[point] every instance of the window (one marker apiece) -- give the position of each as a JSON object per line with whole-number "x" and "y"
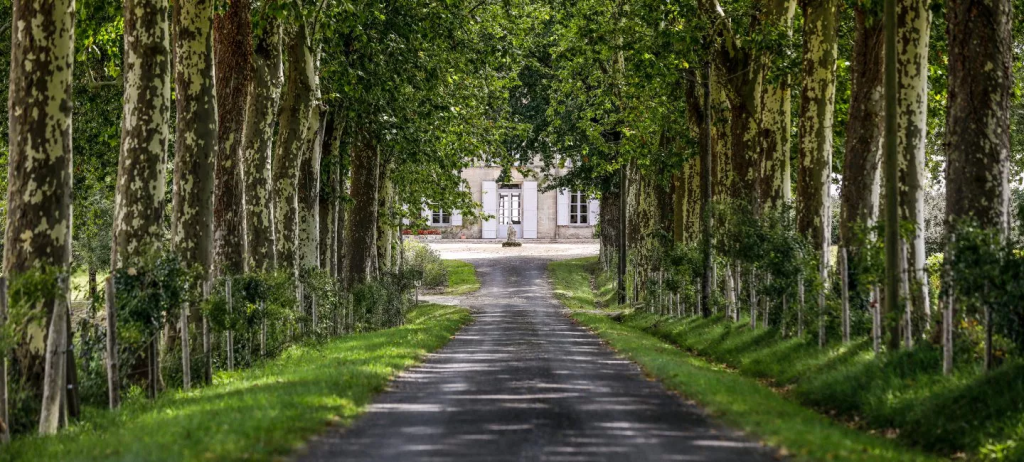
{"x": 440, "y": 217}
{"x": 578, "y": 213}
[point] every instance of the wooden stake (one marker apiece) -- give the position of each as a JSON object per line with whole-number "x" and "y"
{"x": 5, "y": 431}
{"x": 230, "y": 334}
{"x": 263, "y": 329}
{"x": 113, "y": 372}
{"x": 844, "y": 276}
{"x": 186, "y": 353}
{"x": 207, "y": 343}
{"x": 800, "y": 307}
{"x": 53, "y": 375}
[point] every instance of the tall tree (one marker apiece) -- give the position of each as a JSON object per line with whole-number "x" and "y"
{"x": 913, "y": 21}
{"x": 296, "y": 102}
{"x": 978, "y": 127}
{"x": 195, "y": 144}
{"x": 774, "y": 107}
{"x": 309, "y": 176}
{"x": 361, "y": 224}
{"x": 261, "y": 110}
{"x": 978, "y": 117}
{"x": 38, "y": 233}
{"x": 861, "y": 181}
{"x": 817, "y": 106}
{"x": 141, "y": 180}
{"x": 233, "y": 34}
{"x": 141, "y": 186}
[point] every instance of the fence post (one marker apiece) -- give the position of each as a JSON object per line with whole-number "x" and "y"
{"x": 53, "y": 377}
{"x": 844, "y": 274}
{"x": 263, "y": 329}
{"x": 5, "y": 432}
{"x": 113, "y": 373}
{"x": 207, "y": 353}
{"x": 186, "y": 353}
{"x": 230, "y": 334}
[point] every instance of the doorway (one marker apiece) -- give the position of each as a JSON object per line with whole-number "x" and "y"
{"x": 510, "y": 210}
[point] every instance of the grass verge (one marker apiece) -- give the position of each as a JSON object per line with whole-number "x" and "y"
{"x": 740, "y": 401}
{"x": 461, "y": 278}
{"x": 258, "y": 413}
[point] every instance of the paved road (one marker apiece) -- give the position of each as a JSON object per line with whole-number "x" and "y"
{"x": 523, "y": 383}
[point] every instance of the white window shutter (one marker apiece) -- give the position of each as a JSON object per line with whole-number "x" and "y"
{"x": 490, "y": 204}
{"x": 594, "y": 208}
{"x": 562, "y": 208}
{"x": 529, "y": 210}
{"x": 456, "y": 218}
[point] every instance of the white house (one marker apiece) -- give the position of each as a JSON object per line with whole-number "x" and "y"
{"x": 519, "y": 203}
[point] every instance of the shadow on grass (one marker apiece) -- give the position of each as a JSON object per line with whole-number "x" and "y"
{"x": 969, "y": 412}
{"x": 258, "y": 413}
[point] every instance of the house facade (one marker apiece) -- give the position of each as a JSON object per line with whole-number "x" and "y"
{"x": 519, "y": 203}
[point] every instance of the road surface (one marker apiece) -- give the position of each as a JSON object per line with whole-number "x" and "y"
{"x": 523, "y": 383}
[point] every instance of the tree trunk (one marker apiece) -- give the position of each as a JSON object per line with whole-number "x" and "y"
{"x": 860, "y": 189}
{"x": 309, "y": 179}
{"x": 233, "y": 34}
{"x": 294, "y": 119}
{"x": 139, "y": 199}
{"x": 815, "y": 153}
{"x": 978, "y": 123}
{"x": 260, "y": 114}
{"x": 195, "y": 144}
{"x": 39, "y": 174}
{"x": 609, "y": 222}
{"x": 361, "y": 224}
{"x": 913, "y": 20}
{"x": 774, "y": 113}
{"x": 196, "y": 136}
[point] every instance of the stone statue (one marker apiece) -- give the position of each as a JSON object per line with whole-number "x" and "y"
{"x": 511, "y": 241}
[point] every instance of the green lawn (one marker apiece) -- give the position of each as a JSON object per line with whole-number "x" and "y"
{"x": 738, "y": 400}
{"x": 461, "y": 278}
{"x": 255, "y": 414}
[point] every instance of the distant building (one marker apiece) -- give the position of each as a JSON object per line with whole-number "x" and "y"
{"x": 559, "y": 214}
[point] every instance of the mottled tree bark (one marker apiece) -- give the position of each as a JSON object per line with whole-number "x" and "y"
{"x": 296, "y": 101}
{"x": 361, "y": 223}
{"x": 141, "y": 187}
{"x": 385, "y": 198}
{"x": 743, "y": 104}
{"x": 978, "y": 123}
{"x": 196, "y": 135}
{"x": 815, "y": 128}
{"x": 261, "y": 111}
{"x": 195, "y": 143}
{"x": 309, "y": 178}
{"x": 774, "y": 113}
{"x": 39, "y": 179}
{"x": 233, "y": 34}
{"x": 817, "y": 105}
{"x": 330, "y": 193}
{"x": 860, "y": 189}
{"x": 913, "y": 20}
{"x": 609, "y": 233}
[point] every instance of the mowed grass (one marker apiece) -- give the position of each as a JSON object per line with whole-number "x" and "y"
{"x": 255, "y": 414}
{"x": 733, "y": 398}
{"x": 461, "y": 278}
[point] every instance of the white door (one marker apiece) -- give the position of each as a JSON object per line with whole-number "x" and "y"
{"x": 490, "y": 205}
{"x": 529, "y": 210}
{"x": 510, "y": 210}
